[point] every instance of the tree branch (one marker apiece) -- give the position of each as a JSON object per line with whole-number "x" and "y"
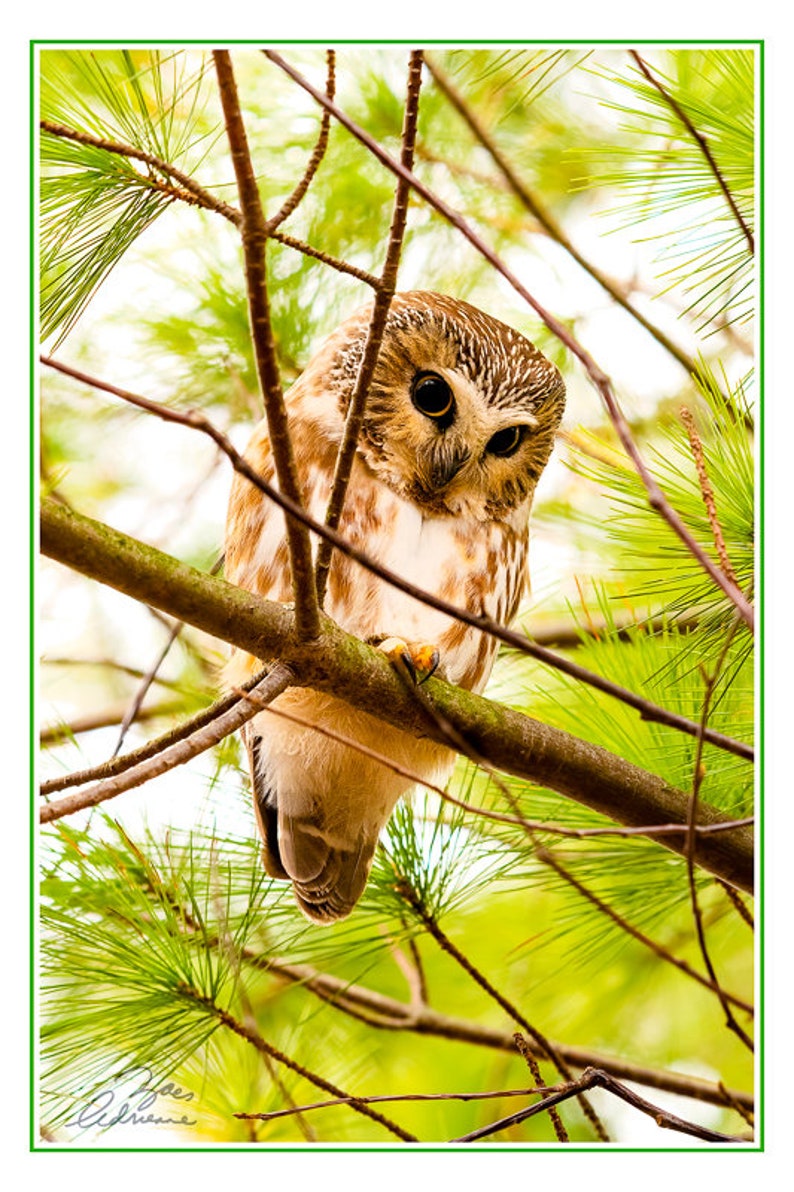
{"x": 362, "y": 677}
{"x": 545, "y": 219}
{"x": 593, "y": 1079}
{"x": 380, "y": 311}
{"x": 175, "y": 755}
{"x": 254, "y": 237}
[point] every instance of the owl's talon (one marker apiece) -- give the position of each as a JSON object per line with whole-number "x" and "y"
{"x": 419, "y": 659}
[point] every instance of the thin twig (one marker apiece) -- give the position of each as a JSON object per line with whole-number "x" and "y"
{"x": 702, "y": 143}
{"x": 547, "y": 857}
{"x": 380, "y": 310}
{"x": 140, "y": 695}
{"x": 118, "y": 765}
{"x": 264, "y": 1048}
{"x": 254, "y": 239}
{"x": 545, "y": 219}
{"x": 151, "y": 675}
{"x": 221, "y": 726}
{"x": 197, "y": 421}
{"x": 592, "y": 1078}
{"x": 326, "y": 258}
{"x": 598, "y": 378}
{"x": 316, "y": 158}
{"x": 389, "y": 1097}
{"x": 107, "y": 717}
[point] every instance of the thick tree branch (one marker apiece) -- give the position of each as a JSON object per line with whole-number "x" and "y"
{"x": 361, "y": 676}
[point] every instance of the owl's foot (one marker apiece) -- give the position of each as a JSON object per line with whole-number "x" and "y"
{"x": 418, "y": 659}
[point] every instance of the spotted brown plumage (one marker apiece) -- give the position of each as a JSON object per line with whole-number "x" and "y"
{"x": 459, "y": 424}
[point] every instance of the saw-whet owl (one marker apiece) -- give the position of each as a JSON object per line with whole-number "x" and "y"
{"x": 460, "y": 421}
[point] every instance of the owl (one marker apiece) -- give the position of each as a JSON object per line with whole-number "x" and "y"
{"x": 460, "y": 421}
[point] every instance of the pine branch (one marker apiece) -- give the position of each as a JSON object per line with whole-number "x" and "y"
{"x": 189, "y": 190}
{"x": 361, "y": 676}
{"x": 703, "y": 145}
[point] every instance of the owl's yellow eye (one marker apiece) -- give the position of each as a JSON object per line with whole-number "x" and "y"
{"x": 432, "y": 397}
{"x": 506, "y": 442}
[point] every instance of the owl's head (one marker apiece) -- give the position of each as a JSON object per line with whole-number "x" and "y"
{"x": 461, "y": 412}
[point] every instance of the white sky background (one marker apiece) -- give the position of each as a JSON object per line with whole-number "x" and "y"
{"x": 621, "y": 20}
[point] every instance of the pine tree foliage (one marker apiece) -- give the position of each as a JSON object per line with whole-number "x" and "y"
{"x": 167, "y": 955}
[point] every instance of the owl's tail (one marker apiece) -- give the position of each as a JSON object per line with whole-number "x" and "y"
{"x": 328, "y": 873}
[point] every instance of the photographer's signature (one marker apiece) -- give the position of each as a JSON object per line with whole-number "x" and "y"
{"x": 145, "y": 1105}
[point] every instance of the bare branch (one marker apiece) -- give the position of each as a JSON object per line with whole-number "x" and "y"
{"x": 252, "y": 1036}
{"x": 228, "y": 722}
{"x": 106, "y": 717}
{"x": 548, "y": 858}
{"x": 117, "y": 765}
{"x": 544, "y": 1046}
{"x": 377, "y": 327}
{"x": 591, "y": 1079}
{"x": 254, "y": 237}
{"x": 316, "y": 158}
{"x": 387, "y": 1013}
{"x": 598, "y": 378}
{"x": 710, "y": 681}
{"x": 535, "y": 206}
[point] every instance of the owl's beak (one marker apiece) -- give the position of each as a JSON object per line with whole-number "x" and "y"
{"x": 445, "y": 468}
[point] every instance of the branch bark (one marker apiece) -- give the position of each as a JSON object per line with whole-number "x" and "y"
{"x": 362, "y": 677}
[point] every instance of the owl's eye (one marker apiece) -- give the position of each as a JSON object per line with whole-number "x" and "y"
{"x": 432, "y": 397}
{"x": 506, "y": 442}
